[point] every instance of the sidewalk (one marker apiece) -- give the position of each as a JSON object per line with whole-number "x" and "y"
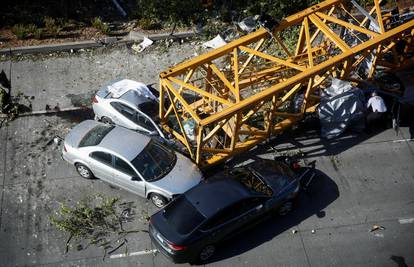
{"x": 71, "y": 81}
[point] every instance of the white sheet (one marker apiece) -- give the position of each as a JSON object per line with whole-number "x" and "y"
{"x": 119, "y": 88}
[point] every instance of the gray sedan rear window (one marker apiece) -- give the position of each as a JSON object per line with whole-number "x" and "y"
{"x": 183, "y": 216}
{"x": 95, "y": 135}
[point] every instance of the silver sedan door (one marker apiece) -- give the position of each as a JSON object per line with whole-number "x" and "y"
{"x": 127, "y": 176}
{"x": 125, "y": 115}
{"x": 101, "y": 165}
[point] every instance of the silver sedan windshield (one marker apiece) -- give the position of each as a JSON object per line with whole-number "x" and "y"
{"x": 155, "y": 161}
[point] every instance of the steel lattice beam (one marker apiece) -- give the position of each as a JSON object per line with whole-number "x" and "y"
{"x": 231, "y": 98}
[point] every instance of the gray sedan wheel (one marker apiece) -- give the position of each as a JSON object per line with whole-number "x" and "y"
{"x": 286, "y": 208}
{"x": 207, "y": 252}
{"x": 84, "y": 171}
{"x": 158, "y": 200}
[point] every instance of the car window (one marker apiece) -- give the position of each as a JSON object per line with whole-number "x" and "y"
{"x": 128, "y": 112}
{"x": 269, "y": 168}
{"x": 144, "y": 122}
{"x": 117, "y": 106}
{"x": 183, "y": 216}
{"x": 124, "y": 167}
{"x": 154, "y": 161}
{"x": 150, "y": 108}
{"x": 250, "y": 180}
{"x": 133, "y": 115}
{"x": 95, "y": 135}
{"x": 102, "y": 157}
{"x": 277, "y": 172}
{"x": 125, "y": 110}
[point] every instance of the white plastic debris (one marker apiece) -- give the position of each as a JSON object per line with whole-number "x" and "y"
{"x": 248, "y": 24}
{"x": 216, "y": 42}
{"x": 189, "y": 129}
{"x": 57, "y": 140}
{"x": 338, "y": 87}
{"x": 119, "y": 88}
{"x": 141, "y": 46}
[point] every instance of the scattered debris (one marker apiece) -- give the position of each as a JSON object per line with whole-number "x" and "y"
{"x": 216, "y": 42}
{"x": 141, "y": 46}
{"x": 98, "y": 221}
{"x": 294, "y": 153}
{"x": 249, "y": 24}
{"x": 379, "y": 235}
{"x": 376, "y": 227}
{"x": 11, "y": 105}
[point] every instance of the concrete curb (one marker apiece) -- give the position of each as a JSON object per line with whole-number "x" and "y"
{"x": 49, "y": 48}
{"x": 130, "y": 38}
{"x": 46, "y": 112}
{"x": 162, "y": 36}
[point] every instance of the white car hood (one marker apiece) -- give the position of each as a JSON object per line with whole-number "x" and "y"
{"x": 182, "y": 177}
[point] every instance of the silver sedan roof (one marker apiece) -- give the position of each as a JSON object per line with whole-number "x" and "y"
{"x": 124, "y": 142}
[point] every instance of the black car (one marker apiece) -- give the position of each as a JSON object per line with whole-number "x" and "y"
{"x": 188, "y": 229}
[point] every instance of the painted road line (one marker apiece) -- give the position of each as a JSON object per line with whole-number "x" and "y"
{"x": 402, "y": 140}
{"x": 404, "y": 221}
{"x": 136, "y": 253}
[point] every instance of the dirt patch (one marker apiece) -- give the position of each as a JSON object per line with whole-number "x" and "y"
{"x": 8, "y": 39}
{"x": 81, "y": 100}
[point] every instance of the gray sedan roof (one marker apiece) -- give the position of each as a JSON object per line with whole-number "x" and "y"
{"x": 126, "y": 143}
{"x": 210, "y": 197}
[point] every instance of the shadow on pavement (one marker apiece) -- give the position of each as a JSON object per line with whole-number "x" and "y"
{"x": 75, "y": 116}
{"x": 320, "y": 194}
{"x": 306, "y": 138}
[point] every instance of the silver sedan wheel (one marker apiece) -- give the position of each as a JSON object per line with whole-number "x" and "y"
{"x": 207, "y": 252}
{"x": 83, "y": 171}
{"x": 159, "y": 201}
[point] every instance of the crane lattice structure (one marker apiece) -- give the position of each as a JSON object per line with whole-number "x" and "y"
{"x": 228, "y": 100}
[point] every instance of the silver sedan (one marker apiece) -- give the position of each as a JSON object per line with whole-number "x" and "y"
{"x": 128, "y": 104}
{"x": 129, "y": 160}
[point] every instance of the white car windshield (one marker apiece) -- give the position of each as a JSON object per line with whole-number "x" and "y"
{"x": 155, "y": 161}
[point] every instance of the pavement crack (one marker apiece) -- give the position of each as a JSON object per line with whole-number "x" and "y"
{"x": 304, "y": 248}
{"x": 4, "y": 175}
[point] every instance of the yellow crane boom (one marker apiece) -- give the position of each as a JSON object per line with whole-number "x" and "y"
{"x": 228, "y": 100}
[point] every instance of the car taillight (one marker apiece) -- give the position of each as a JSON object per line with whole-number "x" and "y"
{"x": 296, "y": 166}
{"x": 176, "y": 247}
{"x": 64, "y": 148}
{"x": 94, "y": 100}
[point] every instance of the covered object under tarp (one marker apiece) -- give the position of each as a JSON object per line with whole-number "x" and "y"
{"x": 342, "y": 107}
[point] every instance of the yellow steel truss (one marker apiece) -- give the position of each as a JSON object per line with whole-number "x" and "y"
{"x": 228, "y": 100}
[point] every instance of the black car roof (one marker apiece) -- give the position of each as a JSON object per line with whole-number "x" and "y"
{"x": 210, "y": 197}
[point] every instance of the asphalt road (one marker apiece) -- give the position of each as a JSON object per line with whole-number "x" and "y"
{"x": 364, "y": 180}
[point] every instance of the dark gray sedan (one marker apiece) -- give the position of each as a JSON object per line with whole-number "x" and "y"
{"x": 188, "y": 229}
